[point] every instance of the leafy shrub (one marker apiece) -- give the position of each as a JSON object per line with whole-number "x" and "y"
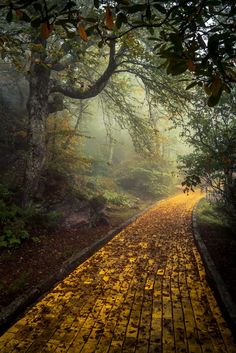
{"x": 44, "y": 219}
{"x": 14, "y": 232}
{"x": 207, "y": 213}
{"x": 226, "y": 212}
{"x": 100, "y": 168}
{"x": 145, "y": 181}
{"x": 16, "y": 222}
{"x": 12, "y": 223}
{"x": 118, "y": 199}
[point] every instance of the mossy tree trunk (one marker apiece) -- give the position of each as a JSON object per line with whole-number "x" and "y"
{"x": 40, "y": 88}
{"x": 37, "y": 113}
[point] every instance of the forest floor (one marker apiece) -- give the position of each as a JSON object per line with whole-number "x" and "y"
{"x": 23, "y": 268}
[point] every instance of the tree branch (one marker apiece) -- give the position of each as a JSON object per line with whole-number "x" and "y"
{"x": 97, "y": 87}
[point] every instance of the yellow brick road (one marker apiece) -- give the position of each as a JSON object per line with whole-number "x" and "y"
{"x": 144, "y": 292}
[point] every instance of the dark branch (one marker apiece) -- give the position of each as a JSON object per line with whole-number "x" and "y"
{"x": 97, "y": 87}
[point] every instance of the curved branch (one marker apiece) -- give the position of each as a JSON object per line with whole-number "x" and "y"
{"x": 97, "y": 87}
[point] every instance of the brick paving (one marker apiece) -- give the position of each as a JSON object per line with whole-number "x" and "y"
{"x": 144, "y": 292}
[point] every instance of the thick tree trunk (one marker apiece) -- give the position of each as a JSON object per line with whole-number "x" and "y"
{"x": 38, "y": 111}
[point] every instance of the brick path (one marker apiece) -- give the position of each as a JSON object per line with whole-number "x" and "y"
{"x": 144, "y": 292}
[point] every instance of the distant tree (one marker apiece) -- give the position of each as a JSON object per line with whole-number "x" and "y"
{"x": 212, "y": 135}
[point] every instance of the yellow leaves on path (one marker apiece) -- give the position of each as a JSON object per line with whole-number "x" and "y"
{"x": 160, "y": 272}
{"x": 144, "y": 291}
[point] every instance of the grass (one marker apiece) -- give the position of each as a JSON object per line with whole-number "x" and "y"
{"x": 207, "y": 213}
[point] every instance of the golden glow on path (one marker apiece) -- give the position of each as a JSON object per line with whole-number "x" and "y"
{"x": 144, "y": 292}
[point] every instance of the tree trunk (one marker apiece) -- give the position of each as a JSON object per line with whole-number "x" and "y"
{"x": 111, "y": 151}
{"x": 37, "y": 111}
{"x": 227, "y": 186}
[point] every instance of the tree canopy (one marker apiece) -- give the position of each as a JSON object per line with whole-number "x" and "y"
{"x": 198, "y": 36}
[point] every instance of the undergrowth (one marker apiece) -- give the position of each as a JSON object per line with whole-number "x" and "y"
{"x": 209, "y": 213}
{"x": 16, "y": 223}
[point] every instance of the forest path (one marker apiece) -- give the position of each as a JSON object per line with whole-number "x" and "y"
{"x": 143, "y": 292}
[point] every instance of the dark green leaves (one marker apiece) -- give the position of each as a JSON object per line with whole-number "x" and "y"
{"x": 70, "y": 5}
{"x": 176, "y": 68}
{"x": 9, "y": 16}
{"x": 96, "y": 3}
{"x": 191, "y": 85}
{"x": 213, "y": 43}
{"x": 213, "y": 100}
{"x": 148, "y": 13}
{"x": 90, "y": 30}
{"x": 214, "y": 90}
{"x": 37, "y": 7}
{"x": 36, "y": 22}
{"x": 190, "y": 182}
{"x": 25, "y": 17}
{"x": 120, "y": 19}
{"x": 136, "y": 8}
{"x": 159, "y": 8}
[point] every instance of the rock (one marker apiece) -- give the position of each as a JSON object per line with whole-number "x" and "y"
{"x": 82, "y": 213}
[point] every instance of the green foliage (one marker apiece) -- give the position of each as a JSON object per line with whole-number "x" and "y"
{"x": 17, "y": 222}
{"x": 99, "y": 167}
{"x": 43, "y": 219}
{"x": 12, "y": 220}
{"x": 216, "y": 214}
{"x": 14, "y": 232}
{"x": 5, "y": 193}
{"x": 212, "y": 135}
{"x": 208, "y": 213}
{"x": 145, "y": 181}
{"x": 190, "y": 182}
{"x": 194, "y": 35}
{"x": 106, "y": 187}
{"x": 118, "y": 199}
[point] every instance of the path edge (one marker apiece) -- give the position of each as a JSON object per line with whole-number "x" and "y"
{"x": 214, "y": 278}
{"x": 16, "y": 309}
